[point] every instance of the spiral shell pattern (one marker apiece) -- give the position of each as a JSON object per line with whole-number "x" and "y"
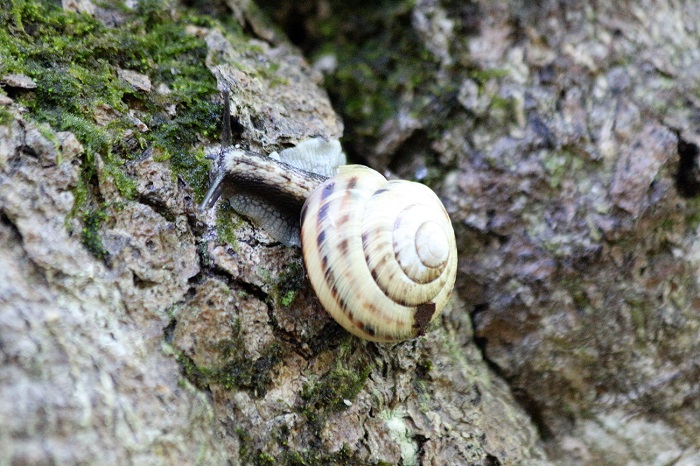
{"x": 381, "y": 255}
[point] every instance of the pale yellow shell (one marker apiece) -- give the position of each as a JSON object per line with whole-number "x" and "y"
{"x": 381, "y": 255}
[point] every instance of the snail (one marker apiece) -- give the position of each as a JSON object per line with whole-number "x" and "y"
{"x": 380, "y": 255}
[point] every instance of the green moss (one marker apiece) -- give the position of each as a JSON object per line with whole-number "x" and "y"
{"x": 92, "y": 221}
{"x": 330, "y": 393}
{"x": 502, "y": 110}
{"x": 74, "y": 60}
{"x": 578, "y": 293}
{"x": 694, "y": 209}
{"x": 288, "y": 298}
{"x": 264, "y": 274}
{"x": 320, "y": 398}
{"x": 245, "y": 442}
{"x": 237, "y": 370}
{"x": 264, "y": 459}
{"x": 638, "y": 314}
{"x": 342, "y": 457}
{"x": 483, "y": 76}
{"x": 423, "y": 368}
{"x": 288, "y": 283}
{"x": 45, "y": 131}
{"x": 307, "y": 457}
{"x": 556, "y": 165}
{"x": 124, "y": 183}
{"x": 380, "y": 60}
{"x": 227, "y": 222}
{"x": 5, "y": 116}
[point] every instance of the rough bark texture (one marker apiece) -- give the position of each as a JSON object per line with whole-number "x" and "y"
{"x": 562, "y": 136}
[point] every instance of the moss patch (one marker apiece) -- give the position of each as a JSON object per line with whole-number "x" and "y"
{"x": 331, "y": 393}
{"x": 288, "y": 283}
{"x": 380, "y": 59}
{"x": 75, "y": 59}
{"x": 5, "y": 116}
{"x": 343, "y": 457}
{"x": 238, "y": 370}
{"x": 227, "y": 222}
{"x": 92, "y": 221}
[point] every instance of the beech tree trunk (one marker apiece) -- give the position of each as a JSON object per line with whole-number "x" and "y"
{"x": 562, "y": 137}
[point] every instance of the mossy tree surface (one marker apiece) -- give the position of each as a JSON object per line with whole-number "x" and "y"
{"x": 75, "y": 61}
{"x": 562, "y": 137}
{"x": 237, "y": 319}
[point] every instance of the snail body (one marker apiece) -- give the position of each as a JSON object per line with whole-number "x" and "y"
{"x": 381, "y": 255}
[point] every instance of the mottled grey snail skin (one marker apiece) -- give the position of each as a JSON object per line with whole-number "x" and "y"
{"x": 267, "y": 191}
{"x": 381, "y": 255}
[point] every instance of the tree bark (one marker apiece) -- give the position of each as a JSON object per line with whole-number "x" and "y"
{"x": 562, "y": 137}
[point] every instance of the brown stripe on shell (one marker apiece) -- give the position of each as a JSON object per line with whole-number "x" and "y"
{"x": 329, "y": 276}
{"x": 366, "y": 237}
{"x": 373, "y": 309}
{"x": 345, "y": 309}
{"x": 330, "y": 280}
{"x": 404, "y": 303}
{"x": 327, "y": 190}
{"x": 379, "y": 264}
{"x": 322, "y": 214}
{"x": 328, "y": 273}
{"x": 424, "y": 314}
{"x": 397, "y": 300}
{"x": 368, "y": 329}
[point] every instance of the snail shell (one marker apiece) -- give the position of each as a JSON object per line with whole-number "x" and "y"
{"x": 380, "y": 255}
